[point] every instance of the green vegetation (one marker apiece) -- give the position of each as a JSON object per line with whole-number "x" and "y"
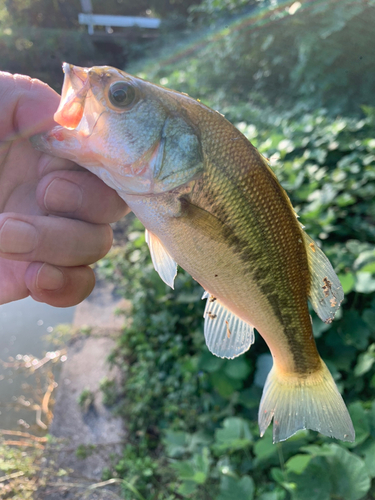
{"x": 282, "y": 56}
{"x": 83, "y": 451}
{"x": 108, "y": 388}
{"x": 86, "y": 399}
{"x": 17, "y": 471}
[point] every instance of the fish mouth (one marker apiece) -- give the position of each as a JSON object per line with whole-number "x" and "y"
{"x": 77, "y": 109}
{"x": 73, "y": 96}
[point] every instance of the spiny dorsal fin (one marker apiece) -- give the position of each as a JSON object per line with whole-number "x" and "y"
{"x": 326, "y": 293}
{"x": 227, "y": 336}
{"x": 163, "y": 262}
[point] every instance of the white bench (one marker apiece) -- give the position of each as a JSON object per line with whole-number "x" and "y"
{"x": 87, "y": 17}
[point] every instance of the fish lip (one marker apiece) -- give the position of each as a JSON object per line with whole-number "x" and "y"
{"x": 73, "y": 73}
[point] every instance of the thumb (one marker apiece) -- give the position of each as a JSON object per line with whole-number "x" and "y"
{"x": 27, "y": 106}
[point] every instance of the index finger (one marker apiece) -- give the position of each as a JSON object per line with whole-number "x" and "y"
{"x": 27, "y": 106}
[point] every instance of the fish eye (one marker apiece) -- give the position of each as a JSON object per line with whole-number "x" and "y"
{"x": 121, "y": 94}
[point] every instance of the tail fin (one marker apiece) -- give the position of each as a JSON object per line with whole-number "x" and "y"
{"x": 297, "y": 403}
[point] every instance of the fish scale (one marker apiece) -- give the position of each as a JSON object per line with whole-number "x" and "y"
{"x": 275, "y": 224}
{"x": 211, "y": 203}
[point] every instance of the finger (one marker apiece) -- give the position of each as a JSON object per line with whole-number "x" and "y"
{"x": 48, "y": 163}
{"x": 59, "y": 286}
{"x": 12, "y": 283}
{"x": 80, "y": 195}
{"x": 28, "y": 106}
{"x": 55, "y": 240}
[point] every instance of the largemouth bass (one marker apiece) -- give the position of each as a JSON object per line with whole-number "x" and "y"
{"x": 211, "y": 204}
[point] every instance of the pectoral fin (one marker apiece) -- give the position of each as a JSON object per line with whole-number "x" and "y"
{"x": 326, "y": 293}
{"x": 163, "y": 262}
{"x": 204, "y": 222}
{"x": 227, "y": 336}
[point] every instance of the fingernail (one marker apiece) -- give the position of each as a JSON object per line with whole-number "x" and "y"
{"x": 62, "y": 196}
{"x": 49, "y": 278}
{"x": 17, "y": 236}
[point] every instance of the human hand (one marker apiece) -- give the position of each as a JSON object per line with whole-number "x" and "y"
{"x": 54, "y": 215}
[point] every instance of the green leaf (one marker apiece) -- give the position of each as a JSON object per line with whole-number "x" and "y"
{"x": 235, "y": 434}
{"x": 369, "y": 318}
{"x": 354, "y": 330}
{"x": 348, "y": 473}
{"x": 277, "y": 494}
{"x": 369, "y": 268}
{"x": 264, "y": 448}
{"x": 187, "y": 488}
{"x": 365, "y": 283}
{"x": 318, "y": 451}
{"x": 241, "y": 489}
{"x": 249, "y": 398}
{"x": 198, "y": 440}
{"x": 199, "y": 477}
{"x": 365, "y": 361}
{"x": 360, "y": 422}
{"x": 277, "y": 475}
{"x": 202, "y": 464}
{"x": 194, "y": 470}
{"x": 237, "y": 368}
{"x": 368, "y": 451}
{"x": 298, "y": 463}
{"x": 175, "y": 442}
{"x": 347, "y": 282}
{"x": 372, "y": 418}
{"x": 210, "y": 363}
{"x": 314, "y": 483}
{"x": 224, "y": 385}
{"x": 184, "y": 469}
{"x": 366, "y": 257}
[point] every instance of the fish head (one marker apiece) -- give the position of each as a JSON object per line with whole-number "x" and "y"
{"x": 133, "y": 134}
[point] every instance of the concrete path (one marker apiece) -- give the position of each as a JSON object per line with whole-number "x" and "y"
{"x": 94, "y": 427}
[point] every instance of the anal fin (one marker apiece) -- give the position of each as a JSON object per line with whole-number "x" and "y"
{"x": 161, "y": 259}
{"x": 226, "y": 335}
{"x": 326, "y": 293}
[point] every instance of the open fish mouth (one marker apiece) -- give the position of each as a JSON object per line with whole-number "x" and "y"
{"x": 74, "y": 92}
{"x": 77, "y": 114}
{"x": 77, "y": 109}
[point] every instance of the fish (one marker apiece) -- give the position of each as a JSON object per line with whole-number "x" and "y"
{"x": 211, "y": 204}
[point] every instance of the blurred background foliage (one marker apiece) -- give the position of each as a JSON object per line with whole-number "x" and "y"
{"x": 297, "y": 78}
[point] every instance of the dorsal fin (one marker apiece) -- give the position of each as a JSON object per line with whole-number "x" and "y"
{"x": 163, "y": 262}
{"x": 326, "y": 293}
{"x": 227, "y": 336}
